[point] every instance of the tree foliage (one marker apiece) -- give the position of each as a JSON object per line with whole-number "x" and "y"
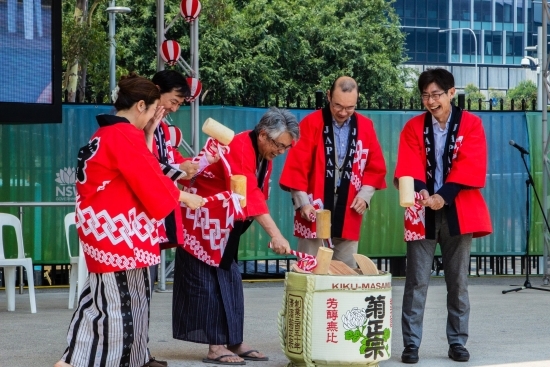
{"x": 85, "y": 44}
{"x": 296, "y": 46}
{"x": 473, "y": 94}
{"x": 251, "y": 49}
{"x": 526, "y": 90}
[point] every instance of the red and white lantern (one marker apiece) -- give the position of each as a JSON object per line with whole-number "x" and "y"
{"x": 176, "y": 137}
{"x": 190, "y": 9}
{"x": 170, "y": 52}
{"x": 196, "y": 88}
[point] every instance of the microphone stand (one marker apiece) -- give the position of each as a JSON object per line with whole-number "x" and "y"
{"x": 529, "y": 181}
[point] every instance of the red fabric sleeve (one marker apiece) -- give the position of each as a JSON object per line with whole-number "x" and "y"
{"x": 375, "y": 170}
{"x": 470, "y": 166}
{"x": 242, "y": 160}
{"x": 477, "y": 221}
{"x": 411, "y": 158}
{"x": 299, "y": 161}
{"x": 141, "y": 171}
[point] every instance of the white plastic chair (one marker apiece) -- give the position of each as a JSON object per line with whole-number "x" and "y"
{"x": 10, "y": 265}
{"x": 79, "y": 271}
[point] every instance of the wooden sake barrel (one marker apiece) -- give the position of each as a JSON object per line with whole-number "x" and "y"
{"x": 336, "y": 321}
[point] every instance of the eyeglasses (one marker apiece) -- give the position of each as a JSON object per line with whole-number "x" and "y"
{"x": 174, "y": 102}
{"x": 279, "y": 146}
{"x": 435, "y": 96}
{"x": 338, "y": 108}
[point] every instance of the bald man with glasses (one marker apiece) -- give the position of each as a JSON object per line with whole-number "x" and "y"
{"x": 336, "y": 165}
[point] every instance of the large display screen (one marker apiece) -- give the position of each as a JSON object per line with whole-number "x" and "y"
{"x": 30, "y": 61}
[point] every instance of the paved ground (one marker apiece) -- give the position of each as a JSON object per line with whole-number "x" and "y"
{"x": 506, "y": 330}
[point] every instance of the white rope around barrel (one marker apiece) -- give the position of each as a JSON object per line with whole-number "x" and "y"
{"x": 308, "y": 320}
{"x": 281, "y": 319}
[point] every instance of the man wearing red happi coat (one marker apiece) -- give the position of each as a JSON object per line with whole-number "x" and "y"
{"x": 336, "y": 165}
{"x": 164, "y": 141}
{"x": 208, "y": 303}
{"x": 445, "y": 151}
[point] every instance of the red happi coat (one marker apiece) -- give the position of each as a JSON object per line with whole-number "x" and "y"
{"x": 305, "y": 170}
{"x": 468, "y": 169}
{"x": 121, "y": 196}
{"x": 174, "y": 157}
{"x": 207, "y": 229}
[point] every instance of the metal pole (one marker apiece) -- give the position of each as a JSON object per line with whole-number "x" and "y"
{"x": 195, "y": 67}
{"x": 160, "y": 33}
{"x": 475, "y": 45}
{"x": 160, "y": 66}
{"x": 460, "y": 46}
{"x": 540, "y": 86}
{"x": 21, "y": 268}
{"x": 112, "y": 51}
{"x": 540, "y": 73}
{"x": 543, "y": 41}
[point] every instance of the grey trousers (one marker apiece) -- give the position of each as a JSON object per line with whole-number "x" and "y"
{"x": 455, "y": 251}
{"x": 153, "y": 270}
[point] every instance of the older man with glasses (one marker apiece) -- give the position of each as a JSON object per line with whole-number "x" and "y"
{"x": 336, "y": 165}
{"x": 445, "y": 151}
{"x": 208, "y": 303}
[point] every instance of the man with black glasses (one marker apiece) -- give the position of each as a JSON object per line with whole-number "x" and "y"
{"x": 445, "y": 151}
{"x": 336, "y": 165}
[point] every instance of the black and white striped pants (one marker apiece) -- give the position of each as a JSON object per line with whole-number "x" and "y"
{"x": 111, "y": 324}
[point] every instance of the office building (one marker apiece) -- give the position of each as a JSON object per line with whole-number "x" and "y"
{"x": 446, "y": 33}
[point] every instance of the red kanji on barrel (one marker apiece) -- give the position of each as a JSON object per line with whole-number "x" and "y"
{"x": 190, "y": 9}
{"x": 196, "y": 87}
{"x": 170, "y": 52}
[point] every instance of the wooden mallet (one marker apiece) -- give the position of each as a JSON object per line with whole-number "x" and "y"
{"x": 216, "y": 130}
{"x": 324, "y": 254}
{"x": 406, "y": 191}
{"x": 238, "y": 186}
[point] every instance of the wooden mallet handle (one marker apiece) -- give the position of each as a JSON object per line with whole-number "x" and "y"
{"x": 324, "y": 256}
{"x": 406, "y": 191}
{"x": 322, "y": 223}
{"x": 238, "y": 185}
